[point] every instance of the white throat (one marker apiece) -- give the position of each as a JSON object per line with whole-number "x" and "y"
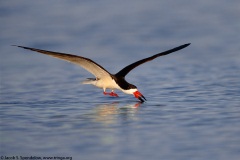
{"x": 130, "y": 91}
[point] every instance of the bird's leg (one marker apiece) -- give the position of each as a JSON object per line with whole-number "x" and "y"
{"x": 110, "y": 94}
{"x": 113, "y": 94}
{"x": 105, "y": 93}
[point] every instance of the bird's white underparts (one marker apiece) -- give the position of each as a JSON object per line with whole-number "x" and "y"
{"x": 104, "y": 79}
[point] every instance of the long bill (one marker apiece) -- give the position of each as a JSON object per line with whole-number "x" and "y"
{"x": 139, "y": 96}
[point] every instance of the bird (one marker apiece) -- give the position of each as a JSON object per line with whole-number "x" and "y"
{"x": 104, "y": 79}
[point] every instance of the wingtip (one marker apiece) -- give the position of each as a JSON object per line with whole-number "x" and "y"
{"x": 17, "y": 46}
{"x": 20, "y": 46}
{"x": 184, "y": 46}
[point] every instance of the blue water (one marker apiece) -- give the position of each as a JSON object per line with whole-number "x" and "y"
{"x": 193, "y": 107}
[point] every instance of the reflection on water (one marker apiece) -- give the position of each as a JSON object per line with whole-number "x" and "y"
{"x": 109, "y": 113}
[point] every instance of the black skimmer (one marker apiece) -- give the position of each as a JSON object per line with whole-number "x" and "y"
{"x": 103, "y": 79}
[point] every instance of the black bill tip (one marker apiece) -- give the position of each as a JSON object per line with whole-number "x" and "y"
{"x": 142, "y": 99}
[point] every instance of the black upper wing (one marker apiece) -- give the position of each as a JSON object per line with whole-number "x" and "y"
{"x": 128, "y": 68}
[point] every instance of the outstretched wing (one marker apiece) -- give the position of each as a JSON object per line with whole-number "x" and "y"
{"x": 91, "y": 66}
{"x": 128, "y": 68}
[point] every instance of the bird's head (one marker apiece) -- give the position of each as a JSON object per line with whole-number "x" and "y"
{"x": 133, "y": 90}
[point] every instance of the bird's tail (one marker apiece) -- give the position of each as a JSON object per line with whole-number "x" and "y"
{"x": 89, "y": 81}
